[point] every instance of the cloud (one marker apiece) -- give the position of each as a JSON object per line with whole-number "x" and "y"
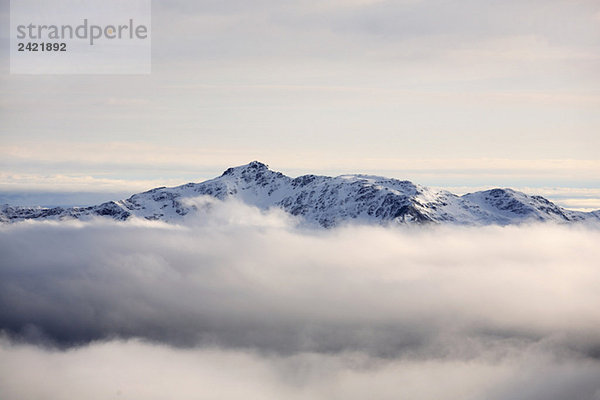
{"x": 61, "y": 183}
{"x": 581, "y": 204}
{"x": 139, "y": 370}
{"x": 239, "y": 276}
{"x": 241, "y": 302}
{"x": 131, "y": 166}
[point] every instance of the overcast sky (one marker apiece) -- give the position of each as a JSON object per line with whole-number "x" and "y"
{"x": 471, "y": 93}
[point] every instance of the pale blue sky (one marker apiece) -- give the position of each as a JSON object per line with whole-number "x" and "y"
{"x": 473, "y": 93}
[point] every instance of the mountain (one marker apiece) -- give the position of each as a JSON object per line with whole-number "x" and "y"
{"x": 323, "y": 200}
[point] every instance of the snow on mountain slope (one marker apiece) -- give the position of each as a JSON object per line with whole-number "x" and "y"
{"x": 508, "y": 204}
{"x": 326, "y": 201}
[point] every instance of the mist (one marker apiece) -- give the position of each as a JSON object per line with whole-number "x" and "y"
{"x": 239, "y": 302}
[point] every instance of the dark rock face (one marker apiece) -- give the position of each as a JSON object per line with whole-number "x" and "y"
{"x": 111, "y": 209}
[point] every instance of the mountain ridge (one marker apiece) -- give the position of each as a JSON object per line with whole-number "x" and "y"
{"x": 323, "y": 200}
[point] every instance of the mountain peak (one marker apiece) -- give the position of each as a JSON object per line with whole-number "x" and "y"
{"x": 254, "y": 166}
{"x": 257, "y": 165}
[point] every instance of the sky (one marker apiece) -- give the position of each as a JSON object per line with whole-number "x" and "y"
{"x": 461, "y": 95}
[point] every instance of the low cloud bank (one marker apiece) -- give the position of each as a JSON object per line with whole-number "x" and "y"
{"x": 285, "y": 312}
{"x": 141, "y": 371}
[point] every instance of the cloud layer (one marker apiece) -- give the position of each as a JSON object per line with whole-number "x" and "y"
{"x": 136, "y": 370}
{"x": 290, "y": 313}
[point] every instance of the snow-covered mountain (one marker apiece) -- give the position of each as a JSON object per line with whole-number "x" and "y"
{"x": 326, "y": 201}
